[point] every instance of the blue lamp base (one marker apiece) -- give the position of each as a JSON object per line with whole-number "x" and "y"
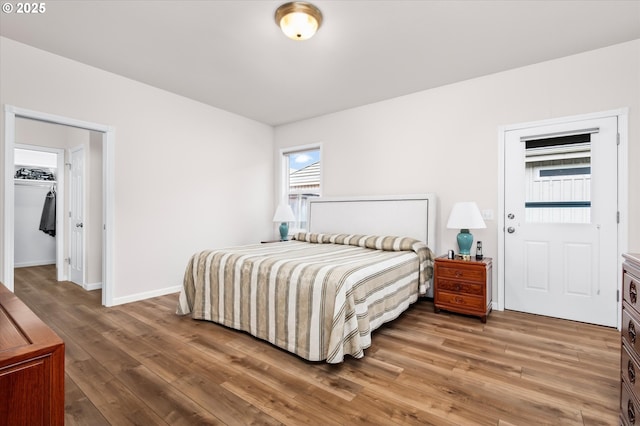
{"x": 465, "y": 239}
{"x": 284, "y": 231}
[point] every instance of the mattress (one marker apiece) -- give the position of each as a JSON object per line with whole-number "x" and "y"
{"x": 319, "y": 296}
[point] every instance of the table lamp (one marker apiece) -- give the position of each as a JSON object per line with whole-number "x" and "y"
{"x": 284, "y": 215}
{"x": 464, "y": 216}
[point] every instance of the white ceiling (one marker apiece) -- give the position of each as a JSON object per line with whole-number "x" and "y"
{"x": 231, "y": 54}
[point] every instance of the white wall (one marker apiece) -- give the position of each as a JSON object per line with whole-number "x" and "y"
{"x": 188, "y": 176}
{"x": 445, "y": 140}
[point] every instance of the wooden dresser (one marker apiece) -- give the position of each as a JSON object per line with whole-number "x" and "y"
{"x": 463, "y": 286}
{"x": 31, "y": 367}
{"x": 630, "y": 341}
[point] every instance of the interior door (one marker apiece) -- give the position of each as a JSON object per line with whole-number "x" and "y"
{"x": 76, "y": 216}
{"x": 560, "y": 233}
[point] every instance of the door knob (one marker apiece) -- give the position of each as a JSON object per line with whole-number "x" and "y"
{"x": 79, "y": 225}
{"x": 511, "y": 229}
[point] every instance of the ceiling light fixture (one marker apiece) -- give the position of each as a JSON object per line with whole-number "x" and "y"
{"x": 298, "y": 20}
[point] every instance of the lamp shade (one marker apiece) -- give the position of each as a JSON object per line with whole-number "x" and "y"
{"x": 284, "y": 214}
{"x": 465, "y": 215}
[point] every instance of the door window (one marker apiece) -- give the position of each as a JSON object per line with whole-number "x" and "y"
{"x": 558, "y": 179}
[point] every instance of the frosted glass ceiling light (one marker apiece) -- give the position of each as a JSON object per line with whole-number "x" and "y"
{"x": 298, "y": 20}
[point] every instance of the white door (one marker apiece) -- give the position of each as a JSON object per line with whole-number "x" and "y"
{"x": 76, "y": 216}
{"x": 560, "y": 233}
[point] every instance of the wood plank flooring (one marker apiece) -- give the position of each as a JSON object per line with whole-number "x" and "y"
{"x": 140, "y": 363}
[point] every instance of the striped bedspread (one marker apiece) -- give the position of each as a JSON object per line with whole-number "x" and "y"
{"x": 319, "y": 296}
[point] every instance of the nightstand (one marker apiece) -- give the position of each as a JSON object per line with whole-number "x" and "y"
{"x": 462, "y": 286}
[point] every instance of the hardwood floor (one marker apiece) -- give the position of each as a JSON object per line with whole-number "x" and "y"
{"x": 140, "y": 363}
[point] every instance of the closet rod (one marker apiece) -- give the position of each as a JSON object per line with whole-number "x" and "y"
{"x": 44, "y": 183}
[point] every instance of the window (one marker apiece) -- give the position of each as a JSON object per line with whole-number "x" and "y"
{"x": 558, "y": 184}
{"x": 301, "y": 173}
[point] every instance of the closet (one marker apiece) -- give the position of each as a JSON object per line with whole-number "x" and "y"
{"x": 35, "y": 181}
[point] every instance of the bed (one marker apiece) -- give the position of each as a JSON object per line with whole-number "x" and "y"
{"x": 321, "y": 295}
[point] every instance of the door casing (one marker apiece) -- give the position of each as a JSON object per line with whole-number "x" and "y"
{"x": 108, "y": 158}
{"x": 622, "y": 190}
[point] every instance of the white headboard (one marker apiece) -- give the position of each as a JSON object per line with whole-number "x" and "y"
{"x": 397, "y": 215}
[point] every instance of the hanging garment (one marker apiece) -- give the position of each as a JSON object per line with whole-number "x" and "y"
{"x": 48, "y": 219}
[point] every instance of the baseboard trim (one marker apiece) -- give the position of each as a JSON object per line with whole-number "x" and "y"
{"x": 93, "y": 286}
{"x": 34, "y": 263}
{"x": 146, "y": 295}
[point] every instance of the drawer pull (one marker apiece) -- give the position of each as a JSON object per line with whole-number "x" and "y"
{"x": 631, "y": 412}
{"x": 632, "y": 372}
{"x": 633, "y": 292}
{"x": 459, "y": 274}
{"x": 632, "y": 332}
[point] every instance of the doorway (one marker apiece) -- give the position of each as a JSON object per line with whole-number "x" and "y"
{"x": 39, "y": 175}
{"x": 107, "y": 136}
{"x": 561, "y": 240}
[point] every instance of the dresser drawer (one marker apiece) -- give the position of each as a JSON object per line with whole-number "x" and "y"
{"x": 630, "y": 371}
{"x": 631, "y": 287}
{"x": 630, "y": 328}
{"x": 471, "y": 303}
{"x": 460, "y": 287}
{"x": 469, "y": 274}
{"x": 629, "y": 407}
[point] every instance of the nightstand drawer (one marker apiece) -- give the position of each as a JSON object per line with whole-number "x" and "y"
{"x": 472, "y": 303}
{"x": 461, "y": 287}
{"x": 469, "y": 274}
